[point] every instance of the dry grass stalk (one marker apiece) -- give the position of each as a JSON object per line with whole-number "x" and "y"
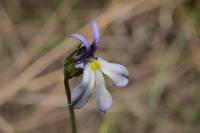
{"x": 5, "y": 126}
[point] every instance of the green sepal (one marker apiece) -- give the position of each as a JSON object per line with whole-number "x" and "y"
{"x": 69, "y": 65}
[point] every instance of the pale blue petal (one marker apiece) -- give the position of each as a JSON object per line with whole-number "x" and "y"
{"x": 79, "y": 89}
{"x": 81, "y": 93}
{"x": 118, "y": 73}
{"x": 104, "y": 99}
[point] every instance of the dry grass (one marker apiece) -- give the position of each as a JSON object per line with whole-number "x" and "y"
{"x": 157, "y": 40}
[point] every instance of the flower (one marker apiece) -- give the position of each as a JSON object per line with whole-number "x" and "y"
{"x": 93, "y": 69}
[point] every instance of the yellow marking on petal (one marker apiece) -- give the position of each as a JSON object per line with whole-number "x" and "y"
{"x": 94, "y": 65}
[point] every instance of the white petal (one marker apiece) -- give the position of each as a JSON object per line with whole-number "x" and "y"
{"x": 79, "y": 89}
{"x": 118, "y": 73}
{"x": 104, "y": 99}
{"x": 82, "y": 92}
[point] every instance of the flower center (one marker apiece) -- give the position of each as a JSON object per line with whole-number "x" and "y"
{"x": 94, "y": 65}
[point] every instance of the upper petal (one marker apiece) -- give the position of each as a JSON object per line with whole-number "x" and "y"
{"x": 118, "y": 73}
{"x": 82, "y": 39}
{"x": 96, "y": 36}
{"x": 104, "y": 99}
{"x": 82, "y": 92}
{"x": 96, "y": 33}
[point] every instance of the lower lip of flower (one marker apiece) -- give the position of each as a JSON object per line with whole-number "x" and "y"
{"x": 94, "y": 65}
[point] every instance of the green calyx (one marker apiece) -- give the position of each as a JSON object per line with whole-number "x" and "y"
{"x": 69, "y": 65}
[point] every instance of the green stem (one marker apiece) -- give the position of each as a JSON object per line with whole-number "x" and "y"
{"x": 71, "y": 111}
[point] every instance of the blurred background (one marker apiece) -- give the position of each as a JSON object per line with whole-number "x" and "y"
{"x": 157, "y": 40}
